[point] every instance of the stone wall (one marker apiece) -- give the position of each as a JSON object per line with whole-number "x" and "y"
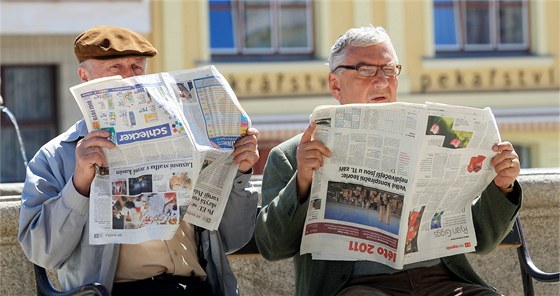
{"x": 16, "y": 273}
{"x": 540, "y": 216}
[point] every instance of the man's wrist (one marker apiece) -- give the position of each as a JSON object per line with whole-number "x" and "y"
{"x": 506, "y": 189}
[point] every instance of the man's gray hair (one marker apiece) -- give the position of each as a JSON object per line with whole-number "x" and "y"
{"x": 363, "y": 36}
{"x": 86, "y": 65}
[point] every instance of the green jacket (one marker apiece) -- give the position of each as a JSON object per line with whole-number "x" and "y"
{"x": 280, "y": 224}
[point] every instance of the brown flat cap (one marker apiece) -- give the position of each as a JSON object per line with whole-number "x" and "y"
{"x": 106, "y": 42}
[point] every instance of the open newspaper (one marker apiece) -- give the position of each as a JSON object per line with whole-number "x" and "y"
{"x": 400, "y": 183}
{"x": 174, "y": 134}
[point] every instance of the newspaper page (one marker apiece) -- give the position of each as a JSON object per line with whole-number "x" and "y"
{"x": 174, "y": 134}
{"x": 400, "y": 183}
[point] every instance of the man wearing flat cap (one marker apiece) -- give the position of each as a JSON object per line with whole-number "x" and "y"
{"x": 53, "y": 225}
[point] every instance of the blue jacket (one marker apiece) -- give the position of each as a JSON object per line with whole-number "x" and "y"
{"x": 54, "y": 231}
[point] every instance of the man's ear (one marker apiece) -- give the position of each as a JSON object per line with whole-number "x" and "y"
{"x": 334, "y": 86}
{"x": 83, "y": 74}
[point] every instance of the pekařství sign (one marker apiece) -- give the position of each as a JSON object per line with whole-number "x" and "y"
{"x": 279, "y": 83}
{"x": 312, "y": 83}
{"x": 487, "y": 79}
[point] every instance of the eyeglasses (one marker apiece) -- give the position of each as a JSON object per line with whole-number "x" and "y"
{"x": 367, "y": 70}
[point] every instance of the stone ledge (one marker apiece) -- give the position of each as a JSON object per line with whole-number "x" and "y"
{"x": 10, "y": 189}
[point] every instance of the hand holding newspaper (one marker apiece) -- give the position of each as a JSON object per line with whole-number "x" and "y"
{"x": 400, "y": 183}
{"x": 174, "y": 134}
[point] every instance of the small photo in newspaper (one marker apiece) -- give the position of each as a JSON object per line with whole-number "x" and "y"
{"x": 138, "y": 211}
{"x": 364, "y": 205}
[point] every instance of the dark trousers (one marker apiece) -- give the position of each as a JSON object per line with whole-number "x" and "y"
{"x": 164, "y": 284}
{"x": 423, "y": 281}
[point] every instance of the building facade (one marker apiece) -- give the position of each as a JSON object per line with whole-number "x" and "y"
{"x": 500, "y": 54}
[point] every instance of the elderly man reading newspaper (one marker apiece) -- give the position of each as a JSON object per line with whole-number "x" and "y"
{"x": 53, "y": 226}
{"x": 364, "y": 68}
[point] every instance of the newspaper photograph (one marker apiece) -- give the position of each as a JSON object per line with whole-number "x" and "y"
{"x": 400, "y": 183}
{"x": 174, "y": 134}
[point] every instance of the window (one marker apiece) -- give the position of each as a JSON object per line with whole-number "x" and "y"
{"x": 524, "y": 153}
{"x": 267, "y": 28}
{"x": 481, "y": 25}
{"x": 29, "y": 94}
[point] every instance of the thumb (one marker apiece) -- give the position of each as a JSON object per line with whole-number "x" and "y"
{"x": 308, "y": 133}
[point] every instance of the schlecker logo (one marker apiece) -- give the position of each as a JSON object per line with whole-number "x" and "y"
{"x": 144, "y": 134}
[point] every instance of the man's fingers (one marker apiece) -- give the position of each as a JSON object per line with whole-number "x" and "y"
{"x": 311, "y": 159}
{"x": 504, "y": 158}
{"x": 89, "y": 150}
{"x": 502, "y": 146}
{"x": 306, "y": 137}
{"x": 249, "y": 155}
{"x": 97, "y": 133}
{"x": 252, "y": 132}
{"x": 245, "y": 140}
{"x": 89, "y": 156}
{"x": 97, "y": 138}
{"x": 506, "y": 164}
{"x": 246, "y": 160}
{"x": 246, "y": 152}
{"x": 319, "y": 149}
{"x": 247, "y": 143}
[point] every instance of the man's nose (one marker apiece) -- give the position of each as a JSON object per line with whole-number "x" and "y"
{"x": 127, "y": 72}
{"x": 379, "y": 80}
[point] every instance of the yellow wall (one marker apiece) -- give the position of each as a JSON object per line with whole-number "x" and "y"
{"x": 552, "y": 9}
{"x": 415, "y": 36}
{"x": 341, "y": 17}
{"x": 180, "y": 34}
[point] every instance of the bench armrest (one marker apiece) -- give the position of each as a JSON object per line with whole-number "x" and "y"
{"x": 45, "y": 288}
{"x": 526, "y": 261}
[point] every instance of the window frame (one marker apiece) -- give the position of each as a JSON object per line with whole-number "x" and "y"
{"x": 29, "y": 126}
{"x": 275, "y": 52}
{"x": 495, "y": 45}
{"x": 525, "y": 155}
{"x": 225, "y": 51}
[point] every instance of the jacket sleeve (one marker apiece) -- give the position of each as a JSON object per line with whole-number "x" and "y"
{"x": 238, "y": 221}
{"x": 494, "y": 215}
{"x": 280, "y": 223}
{"x": 53, "y": 214}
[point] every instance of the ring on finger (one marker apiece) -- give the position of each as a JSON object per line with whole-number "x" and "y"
{"x": 511, "y": 163}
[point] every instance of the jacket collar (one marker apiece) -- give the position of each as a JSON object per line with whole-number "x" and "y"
{"x": 76, "y": 132}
